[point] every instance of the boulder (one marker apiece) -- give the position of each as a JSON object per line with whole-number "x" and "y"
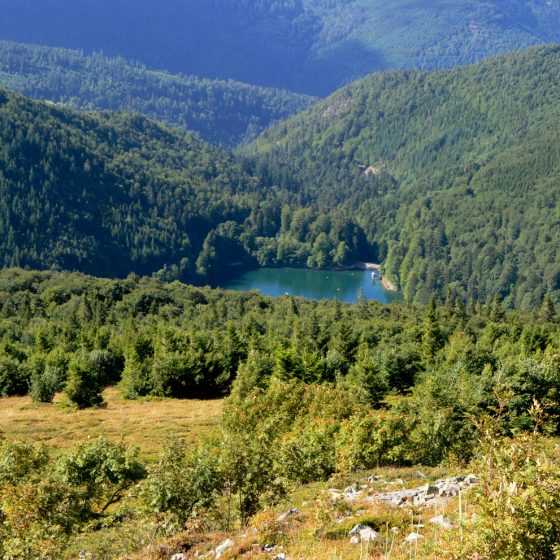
{"x": 293, "y": 511}
{"x": 368, "y": 534}
{"x": 413, "y": 537}
{"x": 442, "y": 521}
{"x": 357, "y": 528}
{"x": 227, "y": 544}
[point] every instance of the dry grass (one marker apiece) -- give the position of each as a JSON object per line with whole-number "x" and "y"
{"x": 320, "y": 531}
{"x": 143, "y": 423}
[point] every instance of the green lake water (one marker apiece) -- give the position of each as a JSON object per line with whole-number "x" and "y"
{"x": 312, "y": 284}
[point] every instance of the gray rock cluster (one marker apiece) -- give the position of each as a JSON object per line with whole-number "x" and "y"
{"x": 423, "y": 495}
{"x": 429, "y": 493}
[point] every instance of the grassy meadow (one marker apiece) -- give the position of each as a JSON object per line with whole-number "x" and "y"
{"x": 145, "y": 423}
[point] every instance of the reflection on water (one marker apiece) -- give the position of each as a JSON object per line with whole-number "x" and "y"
{"x": 312, "y": 284}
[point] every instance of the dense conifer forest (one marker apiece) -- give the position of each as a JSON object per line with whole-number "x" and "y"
{"x": 114, "y": 193}
{"x": 309, "y": 46}
{"x": 225, "y": 113}
{"x": 461, "y": 169}
{"x": 448, "y": 178}
{"x": 146, "y": 415}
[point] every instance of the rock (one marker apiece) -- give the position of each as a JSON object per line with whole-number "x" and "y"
{"x": 431, "y": 490}
{"x": 280, "y": 556}
{"x": 228, "y": 543}
{"x": 358, "y": 528}
{"x": 413, "y": 537}
{"x": 368, "y": 534}
{"x": 178, "y": 556}
{"x": 373, "y": 478}
{"x": 355, "y": 540}
{"x": 442, "y": 521}
{"x": 349, "y": 493}
{"x": 420, "y": 474}
{"x": 282, "y": 517}
{"x": 352, "y": 489}
{"x": 472, "y": 479}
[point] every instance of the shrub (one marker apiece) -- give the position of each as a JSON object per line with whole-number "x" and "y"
{"x": 368, "y": 441}
{"x": 13, "y": 377}
{"x": 19, "y": 460}
{"x": 519, "y": 499}
{"x": 307, "y": 453}
{"x": 182, "y": 481}
{"x": 43, "y": 386}
{"x": 102, "y": 471}
{"x": 83, "y": 387}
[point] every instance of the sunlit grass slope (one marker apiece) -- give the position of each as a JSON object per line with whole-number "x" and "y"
{"x": 145, "y": 423}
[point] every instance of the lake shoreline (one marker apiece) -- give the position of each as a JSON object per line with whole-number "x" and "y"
{"x": 345, "y": 285}
{"x": 358, "y": 265}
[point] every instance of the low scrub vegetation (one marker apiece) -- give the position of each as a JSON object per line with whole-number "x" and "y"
{"x": 314, "y": 391}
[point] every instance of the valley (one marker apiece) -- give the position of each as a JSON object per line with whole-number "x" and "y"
{"x": 279, "y": 280}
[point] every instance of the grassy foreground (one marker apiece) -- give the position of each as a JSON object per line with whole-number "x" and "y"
{"x": 319, "y": 527}
{"x": 144, "y": 423}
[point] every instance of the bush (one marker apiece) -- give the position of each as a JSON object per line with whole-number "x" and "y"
{"x": 368, "y": 441}
{"x": 519, "y": 499}
{"x": 83, "y": 387}
{"x": 182, "y": 481}
{"x": 18, "y": 461}
{"x": 102, "y": 471}
{"x": 43, "y": 386}
{"x": 13, "y": 377}
{"x": 308, "y": 452}
{"x": 107, "y": 365}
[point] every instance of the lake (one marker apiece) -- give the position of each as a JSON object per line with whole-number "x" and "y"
{"x": 312, "y": 284}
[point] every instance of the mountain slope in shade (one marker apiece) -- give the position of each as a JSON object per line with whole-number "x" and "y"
{"x": 108, "y": 193}
{"x": 311, "y": 46}
{"x": 225, "y": 113}
{"x": 115, "y": 193}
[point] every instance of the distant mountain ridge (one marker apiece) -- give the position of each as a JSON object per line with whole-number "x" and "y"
{"x": 223, "y": 113}
{"x": 309, "y": 46}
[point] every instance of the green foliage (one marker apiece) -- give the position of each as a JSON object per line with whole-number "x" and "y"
{"x": 83, "y": 387}
{"x": 518, "y": 499}
{"x": 43, "y": 387}
{"x": 13, "y": 376}
{"x": 367, "y": 441}
{"x": 19, "y": 461}
{"x": 225, "y": 113}
{"x": 315, "y": 388}
{"x": 451, "y": 175}
{"x": 112, "y": 194}
{"x": 303, "y": 45}
{"x": 43, "y": 503}
{"x": 101, "y": 471}
{"x": 183, "y": 481}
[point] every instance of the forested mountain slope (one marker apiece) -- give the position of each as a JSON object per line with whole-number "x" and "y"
{"x": 312, "y": 46}
{"x": 222, "y": 112}
{"x": 469, "y": 160}
{"x": 115, "y": 193}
